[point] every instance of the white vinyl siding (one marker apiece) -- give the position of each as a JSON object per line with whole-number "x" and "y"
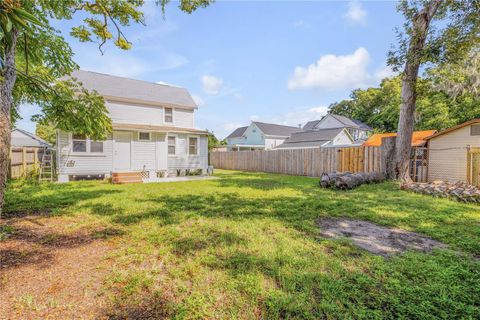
{"x": 86, "y": 163}
{"x": 148, "y": 154}
{"x": 329, "y": 122}
{"x": 183, "y": 118}
{"x": 182, "y": 160}
{"x": 135, "y": 114}
{"x": 143, "y": 154}
{"x": 448, "y": 155}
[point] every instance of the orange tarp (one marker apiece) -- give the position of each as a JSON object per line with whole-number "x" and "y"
{"x": 418, "y": 138}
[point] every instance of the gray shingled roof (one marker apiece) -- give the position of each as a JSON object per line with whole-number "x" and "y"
{"x": 22, "y": 138}
{"x": 310, "y": 144}
{"x": 317, "y": 135}
{"x": 108, "y": 85}
{"x": 350, "y": 122}
{"x": 312, "y": 138}
{"x": 271, "y": 129}
{"x": 310, "y": 125}
{"x": 362, "y": 125}
{"x": 237, "y": 132}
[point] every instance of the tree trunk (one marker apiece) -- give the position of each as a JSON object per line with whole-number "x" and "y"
{"x": 6, "y": 102}
{"x": 420, "y": 25}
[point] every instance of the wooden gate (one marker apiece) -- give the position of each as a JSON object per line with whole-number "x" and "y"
{"x": 419, "y": 164}
{"x": 473, "y": 166}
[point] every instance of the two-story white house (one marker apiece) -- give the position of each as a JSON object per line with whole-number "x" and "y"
{"x": 153, "y": 133}
{"x": 259, "y": 136}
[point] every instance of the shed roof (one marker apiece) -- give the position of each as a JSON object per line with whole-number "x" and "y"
{"x": 120, "y": 87}
{"x": 473, "y": 121}
{"x": 418, "y": 138}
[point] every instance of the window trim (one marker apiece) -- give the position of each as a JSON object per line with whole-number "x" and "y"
{"x": 73, "y": 141}
{"x": 175, "y": 145}
{"x": 165, "y": 115}
{"x": 197, "y": 146}
{"x": 87, "y": 151}
{"x": 149, "y": 136}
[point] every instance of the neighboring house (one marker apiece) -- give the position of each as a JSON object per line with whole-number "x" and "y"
{"x": 259, "y": 136}
{"x": 418, "y": 138}
{"x": 448, "y": 157}
{"x": 153, "y": 132}
{"x": 358, "y": 130}
{"x": 22, "y": 138}
{"x": 317, "y": 138}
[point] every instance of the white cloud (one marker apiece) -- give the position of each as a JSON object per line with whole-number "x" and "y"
{"x": 299, "y": 116}
{"x": 211, "y": 85}
{"x": 384, "y": 72}
{"x": 198, "y": 100}
{"x": 334, "y": 72}
{"x": 126, "y": 64}
{"x": 356, "y": 14}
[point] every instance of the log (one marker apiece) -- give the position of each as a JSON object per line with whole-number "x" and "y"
{"x": 348, "y": 180}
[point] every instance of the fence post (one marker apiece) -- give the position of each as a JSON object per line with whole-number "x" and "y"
{"x": 24, "y": 161}
{"x": 469, "y": 165}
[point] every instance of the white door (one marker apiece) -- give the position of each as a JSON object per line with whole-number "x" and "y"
{"x": 121, "y": 150}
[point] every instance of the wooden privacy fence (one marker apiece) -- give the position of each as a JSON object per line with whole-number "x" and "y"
{"x": 305, "y": 162}
{"x": 24, "y": 161}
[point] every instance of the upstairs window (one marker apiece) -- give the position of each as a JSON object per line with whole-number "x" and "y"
{"x": 168, "y": 115}
{"x": 192, "y": 145}
{"x": 475, "y": 130}
{"x": 171, "y": 145}
{"x": 144, "y": 136}
{"x": 79, "y": 143}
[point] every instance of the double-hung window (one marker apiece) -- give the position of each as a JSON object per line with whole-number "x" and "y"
{"x": 192, "y": 145}
{"x": 168, "y": 115}
{"x": 79, "y": 143}
{"x": 171, "y": 145}
{"x": 82, "y": 144}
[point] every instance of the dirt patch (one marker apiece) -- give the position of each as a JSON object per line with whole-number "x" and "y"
{"x": 377, "y": 239}
{"x": 48, "y": 272}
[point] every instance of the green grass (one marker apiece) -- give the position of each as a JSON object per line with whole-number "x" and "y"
{"x": 246, "y": 246}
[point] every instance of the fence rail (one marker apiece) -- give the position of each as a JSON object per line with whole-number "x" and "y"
{"x": 305, "y": 162}
{"x": 24, "y": 161}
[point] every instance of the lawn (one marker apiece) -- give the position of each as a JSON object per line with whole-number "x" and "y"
{"x": 243, "y": 246}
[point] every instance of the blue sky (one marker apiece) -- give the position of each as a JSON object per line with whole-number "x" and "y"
{"x": 281, "y": 62}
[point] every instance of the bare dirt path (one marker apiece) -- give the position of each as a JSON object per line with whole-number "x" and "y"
{"x": 375, "y": 238}
{"x": 47, "y": 273}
